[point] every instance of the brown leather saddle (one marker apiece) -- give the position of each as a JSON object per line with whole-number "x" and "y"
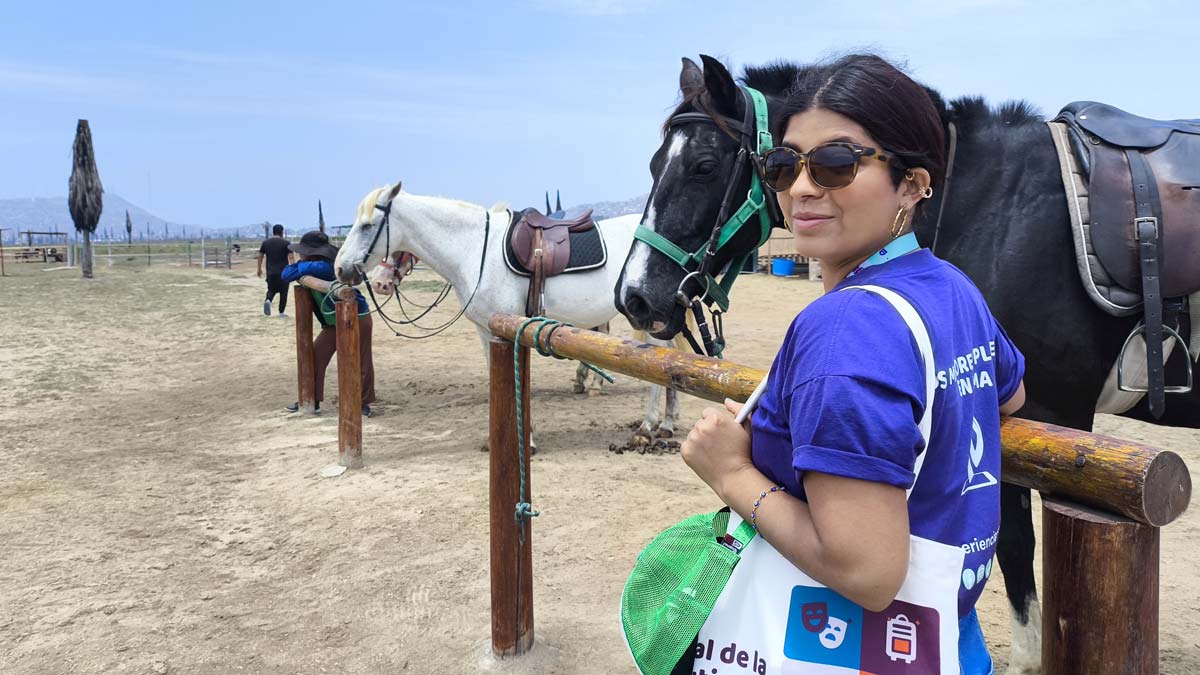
{"x": 1143, "y": 184}
{"x": 542, "y": 245}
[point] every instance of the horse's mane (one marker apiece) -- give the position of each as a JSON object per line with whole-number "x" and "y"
{"x": 771, "y": 78}
{"x": 366, "y": 208}
{"x": 966, "y": 112}
{"x": 970, "y": 113}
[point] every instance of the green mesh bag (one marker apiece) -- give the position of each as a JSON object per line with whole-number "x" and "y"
{"x": 673, "y": 587}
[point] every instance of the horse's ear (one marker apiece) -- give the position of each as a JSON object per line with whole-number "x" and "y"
{"x": 691, "y": 78}
{"x": 722, "y": 90}
{"x": 395, "y": 191}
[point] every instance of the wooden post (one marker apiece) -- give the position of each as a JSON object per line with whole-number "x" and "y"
{"x": 203, "y": 257}
{"x": 305, "y": 363}
{"x": 511, "y": 561}
{"x": 228, "y": 253}
{"x": 189, "y": 251}
{"x": 1100, "y": 587}
{"x": 349, "y": 381}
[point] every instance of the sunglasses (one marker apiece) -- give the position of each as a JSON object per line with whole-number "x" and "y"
{"x": 831, "y": 166}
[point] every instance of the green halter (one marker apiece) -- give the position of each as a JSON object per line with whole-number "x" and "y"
{"x": 756, "y": 140}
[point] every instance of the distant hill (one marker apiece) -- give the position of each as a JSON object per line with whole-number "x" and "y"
{"x": 602, "y": 210}
{"x": 50, "y": 214}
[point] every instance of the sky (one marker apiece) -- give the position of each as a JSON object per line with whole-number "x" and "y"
{"x": 223, "y": 114}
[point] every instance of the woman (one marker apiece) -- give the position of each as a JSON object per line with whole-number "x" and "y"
{"x": 315, "y": 271}
{"x": 837, "y": 430}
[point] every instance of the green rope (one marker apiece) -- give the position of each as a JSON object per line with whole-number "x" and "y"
{"x": 524, "y": 510}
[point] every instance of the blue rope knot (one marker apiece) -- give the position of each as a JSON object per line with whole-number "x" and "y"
{"x": 525, "y": 511}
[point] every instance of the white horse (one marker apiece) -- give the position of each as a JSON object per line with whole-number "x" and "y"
{"x": 464, "y": 244}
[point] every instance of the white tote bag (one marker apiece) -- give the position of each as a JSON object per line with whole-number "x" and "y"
{"x": 773, "y": 618}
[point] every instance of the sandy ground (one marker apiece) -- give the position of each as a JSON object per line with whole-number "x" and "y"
{"x": 161, "y": 513}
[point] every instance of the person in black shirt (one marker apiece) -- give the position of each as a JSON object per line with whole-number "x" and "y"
{"x": 275, "y": 251}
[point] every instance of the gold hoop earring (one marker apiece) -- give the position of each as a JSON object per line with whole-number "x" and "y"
{"x": 927, "y": 192}
{"x": 900, "y": 221}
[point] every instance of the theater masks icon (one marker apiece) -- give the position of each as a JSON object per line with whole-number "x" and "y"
{"x": 814, "y": 616}
{"x": 834, "y": 633}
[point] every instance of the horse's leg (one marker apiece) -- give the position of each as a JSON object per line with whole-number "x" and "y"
{"x": 666, "y": 428}
{"x": 1014, "y": 553}
{"x": 597, "y": 381}
{"x": 581, "y": 373}
{"x": 646, "y": 432}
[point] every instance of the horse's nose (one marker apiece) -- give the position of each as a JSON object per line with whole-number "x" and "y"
{"x": 636, "y": 307}
{"x": 348, "y": 274}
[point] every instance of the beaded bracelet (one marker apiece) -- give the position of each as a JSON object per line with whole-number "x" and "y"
{"x": 762, "y": 496}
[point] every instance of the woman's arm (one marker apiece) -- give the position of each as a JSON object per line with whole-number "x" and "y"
{"x": 314, "y": 283}
{"x": 1014, "y": 404}
{"x": 852, "y": 535}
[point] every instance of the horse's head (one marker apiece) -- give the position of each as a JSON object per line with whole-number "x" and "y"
{"x": 695, "y": 170}
{"x": 371, "y": 238}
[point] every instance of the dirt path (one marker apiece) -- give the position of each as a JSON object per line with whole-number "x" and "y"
{"x": 161, "y": 513}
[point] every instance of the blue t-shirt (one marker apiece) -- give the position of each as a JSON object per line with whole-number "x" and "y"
{"x": 321, "y": 269}
{"x": 847, "y": 392}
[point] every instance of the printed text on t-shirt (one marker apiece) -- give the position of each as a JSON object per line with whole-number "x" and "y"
{"x": 962, "y": 371}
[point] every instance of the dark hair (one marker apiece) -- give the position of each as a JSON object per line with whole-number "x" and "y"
{"x": 277, "y": 229}
{"x": 896, "y": 111}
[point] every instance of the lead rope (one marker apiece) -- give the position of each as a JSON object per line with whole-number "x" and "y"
{"x": 524, "y": 511}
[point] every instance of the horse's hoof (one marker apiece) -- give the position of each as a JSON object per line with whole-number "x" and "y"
{"x": 580, "y": 388}
{"x": 664, "y": 432}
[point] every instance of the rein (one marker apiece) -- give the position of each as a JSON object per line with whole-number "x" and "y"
{"x": 937, "y": 228}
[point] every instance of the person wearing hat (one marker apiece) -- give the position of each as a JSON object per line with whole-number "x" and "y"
{"x": 315, "y": 272}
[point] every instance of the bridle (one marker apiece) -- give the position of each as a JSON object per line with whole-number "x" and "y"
{"x": 410, "y": 260}
{"x": 754, "y": 137}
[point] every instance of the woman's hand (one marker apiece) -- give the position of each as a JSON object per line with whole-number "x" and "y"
{"x": 718, "y": 447}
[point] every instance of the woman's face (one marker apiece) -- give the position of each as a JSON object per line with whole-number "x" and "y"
{"x": 845, "y": 226}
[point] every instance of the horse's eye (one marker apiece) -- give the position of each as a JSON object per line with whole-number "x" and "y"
{"x": 705, "y": 168}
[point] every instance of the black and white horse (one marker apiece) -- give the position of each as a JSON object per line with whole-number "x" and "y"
{"x": 1005, "y": 224}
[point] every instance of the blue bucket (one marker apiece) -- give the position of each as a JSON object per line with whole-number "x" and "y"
{"x": 782, "y": 267}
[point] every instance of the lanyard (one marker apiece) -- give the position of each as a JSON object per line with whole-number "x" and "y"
{"x": 898, "y": 247}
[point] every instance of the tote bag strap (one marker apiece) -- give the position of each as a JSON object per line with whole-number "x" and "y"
{"x": 917, "y": 326}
